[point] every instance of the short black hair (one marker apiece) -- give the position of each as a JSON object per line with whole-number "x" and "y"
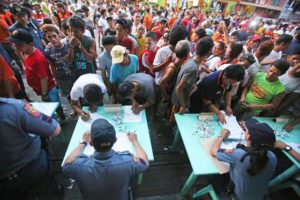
{"x": 236, "y": 49}
{"x": 108, "y": 40}
{"x": 282, "y": 65}
{"x": 295, "y": 51}
{"x": 76, "y": 22}
{"x": 204, "y": 46}
{"x": 151, "y": 35}
{"x": 109, "y": 9}
{"x": 200, "y": 32}
{"x": 285, "y": 38}
{"x": 122, "y": 22}
{"x": 178, "y": 33}
{"x": 125, "y": 89}
{"x": 234, "y": 72}
{"x": 92, "y": 93}
{"x": 102, "y": 11}
{"x": 128, "y": 24}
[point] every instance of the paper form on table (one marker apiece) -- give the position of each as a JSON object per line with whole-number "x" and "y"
{"x": 129, "y": 116}
{"x": 88, "y": 124}
{"x": 236, "y": 132}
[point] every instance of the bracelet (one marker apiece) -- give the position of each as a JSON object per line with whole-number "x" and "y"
{"x": 220, "y": 137}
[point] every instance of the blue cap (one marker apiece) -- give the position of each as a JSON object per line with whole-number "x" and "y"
{"x": 103, "y": 133}
{"x": 261, "y": 134}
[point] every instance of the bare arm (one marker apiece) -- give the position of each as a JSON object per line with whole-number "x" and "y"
{"x": 274, "y": 104}
{"x": 216, "y": 146}
{"x": 180, "y": 95}
{"x": 70, "y": 55}
{"x": 91, "y": 54}
{"x": 164, "y": 64}
{"x": 281, "y": 145}
{"x": 139, "y": 150}
{"x": 78, "y": 150}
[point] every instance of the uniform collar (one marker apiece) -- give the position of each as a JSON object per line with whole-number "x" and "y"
{"x": 104, "y": 155}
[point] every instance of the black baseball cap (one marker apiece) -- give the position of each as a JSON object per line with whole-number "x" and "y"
{"x": 21, "y": 36}
{"x": 261, "y": 134}
{"x": 103, "y": 133}
{"x": 249, "y": 57}
{"x": 18, "y": 10}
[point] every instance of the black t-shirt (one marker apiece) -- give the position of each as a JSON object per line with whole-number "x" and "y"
{"x": 209, "y": 88}
{"x": 109, "y": 32}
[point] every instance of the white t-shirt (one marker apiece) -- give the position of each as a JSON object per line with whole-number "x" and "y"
{"x": 274, "y": 55}
{"x": 103, "y": 23}
{"x": 83, "y": 80}
{"x": 212, "y": 62}
{"x": 160, "y": 57}
{"x": 291, "y": 84}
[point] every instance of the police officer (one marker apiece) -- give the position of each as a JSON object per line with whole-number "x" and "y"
{"x": 106, "y": 174}
{"x": 23, "y": 162}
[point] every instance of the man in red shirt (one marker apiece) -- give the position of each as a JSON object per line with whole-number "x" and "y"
{"x": 161, "y": 29}
{"x": 9, "y": 86}
{"x": 121, "y": 37}
{"x": 37, "y": 68}
{"x": 147, "y": 56}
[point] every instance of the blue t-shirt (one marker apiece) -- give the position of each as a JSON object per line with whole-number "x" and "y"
{"x": 118, "y": 73}
{"x": 248, "y": 187}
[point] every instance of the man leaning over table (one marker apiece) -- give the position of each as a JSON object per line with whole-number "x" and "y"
{"x": 90, "y": 90}
{"x": 140, "y": 88}
{"x": 106, "y": 174}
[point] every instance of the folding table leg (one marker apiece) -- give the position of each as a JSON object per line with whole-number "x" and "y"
{"x": 140, "y": 178}
{"x": 285, "y": 185}
{"x": 284, "y": 176}
{"x": 188, "y": 184}
{"x": 208, "y": 189}
{"x": 176, "y": 138}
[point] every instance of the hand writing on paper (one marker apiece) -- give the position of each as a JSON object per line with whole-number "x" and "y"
{"x": 182, "y": 110}
{"x": 288, "y": 127}
{"x": 228, "y": 111}
{"x": 87, "y": 137}
{"x": 221, "y": 118}
{"x": 85, "y": 116}
{"x": 132, "y": 136}
{"x": 135, "y": 108}
{"x": 224, "y": 133}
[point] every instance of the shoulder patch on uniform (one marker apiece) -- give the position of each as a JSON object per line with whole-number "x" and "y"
{"x": 31, "y": 110}
{"x": 228, "y": 151}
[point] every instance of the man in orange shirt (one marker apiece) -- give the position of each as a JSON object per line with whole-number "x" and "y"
{"x": 219, "y": 35}
{"x": 147, "y": 19}
{"x": 63, "y": 13}
{"x": 9, "y": 86}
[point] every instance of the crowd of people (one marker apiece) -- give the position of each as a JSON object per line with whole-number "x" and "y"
{"x": 162, "y": 60}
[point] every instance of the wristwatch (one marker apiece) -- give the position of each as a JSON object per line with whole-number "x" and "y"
{"x": 288, "y": 148}
{"x": 82, "y": 141}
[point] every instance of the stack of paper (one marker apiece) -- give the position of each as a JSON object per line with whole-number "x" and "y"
{"x": 129, "y": 116}
{"x": 236, "y": 132}
{"x": 122, "y": 144}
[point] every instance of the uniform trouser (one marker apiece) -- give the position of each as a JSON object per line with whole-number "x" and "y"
{"x": 20, "y": 184}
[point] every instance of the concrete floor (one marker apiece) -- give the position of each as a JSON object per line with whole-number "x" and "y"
{"x": 165, "y": 176}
